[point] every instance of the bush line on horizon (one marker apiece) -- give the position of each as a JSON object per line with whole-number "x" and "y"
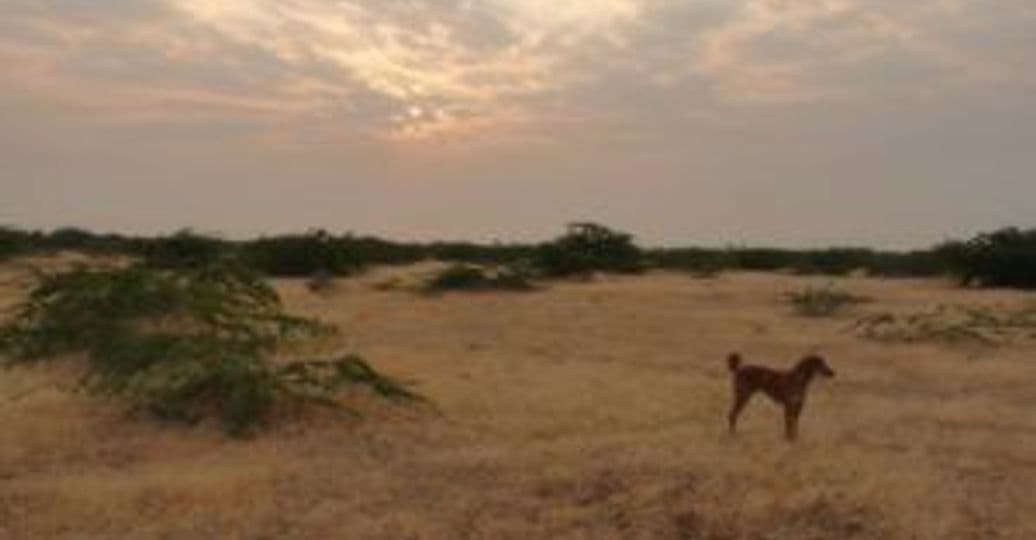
{"x": 1002, "y": 258}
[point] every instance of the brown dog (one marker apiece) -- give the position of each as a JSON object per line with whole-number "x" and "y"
{"x": 787, "y": 388}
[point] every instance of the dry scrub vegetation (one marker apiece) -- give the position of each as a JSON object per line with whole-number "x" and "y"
{"x": 583, "y": 410}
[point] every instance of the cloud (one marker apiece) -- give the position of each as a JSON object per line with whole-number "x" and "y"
{"x": 464, "y": 65}
{"x": 435, "y": 69}
{"x": 810, "y": 50}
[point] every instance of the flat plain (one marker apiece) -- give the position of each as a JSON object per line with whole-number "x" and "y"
{"x": 582, "y": 410}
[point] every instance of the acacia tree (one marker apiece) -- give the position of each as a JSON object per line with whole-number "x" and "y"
{"x": 182, "y": 344}
{"x": 589, "y": 247}
{"x": 1002, "y": 258}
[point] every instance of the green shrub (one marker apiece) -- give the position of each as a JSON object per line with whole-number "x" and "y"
{"x": 822, "y": 301}
{"x": 587, "y": 248}
{"x": 183, "y": 344}
{"x": 698, "y": 262}
{"x": 833, "y": 261}
{"x": 185, "y": 249}
{"x": 466, "y": 277}
{"x": 13, "y": 242}
{"x": 302, "y": 255}
{"x": 458, "y": 277}
{"x": 1004, "y": 258}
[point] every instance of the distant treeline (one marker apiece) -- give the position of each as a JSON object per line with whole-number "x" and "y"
{"x": 1002, "y": 258}
{"x": 830, "y": 261}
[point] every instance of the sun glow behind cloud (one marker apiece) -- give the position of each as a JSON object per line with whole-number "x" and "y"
{"x": 437, "y": 68}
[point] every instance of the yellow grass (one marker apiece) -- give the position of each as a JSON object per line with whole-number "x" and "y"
{"x": 590, "y": 410}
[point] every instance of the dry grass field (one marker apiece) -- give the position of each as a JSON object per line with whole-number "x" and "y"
{"x": 583, "y": 411}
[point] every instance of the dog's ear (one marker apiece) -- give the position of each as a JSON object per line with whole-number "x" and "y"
{"x": 734, "y": 361}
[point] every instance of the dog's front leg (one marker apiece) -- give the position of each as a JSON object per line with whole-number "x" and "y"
{"x": 791, "y": 420}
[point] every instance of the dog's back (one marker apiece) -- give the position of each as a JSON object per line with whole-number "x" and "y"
{"x": 752, "y": 378}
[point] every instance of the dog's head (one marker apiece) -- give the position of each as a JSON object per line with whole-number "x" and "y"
{"x": 816, "y": 365}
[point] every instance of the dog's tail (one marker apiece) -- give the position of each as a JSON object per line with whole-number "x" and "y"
{"x": 734, "y": 361}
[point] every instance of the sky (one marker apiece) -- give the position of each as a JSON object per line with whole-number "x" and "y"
{"x": 885, "y": 123}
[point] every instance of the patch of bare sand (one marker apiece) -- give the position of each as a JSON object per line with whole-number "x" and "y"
{"x": 589, "y": 410}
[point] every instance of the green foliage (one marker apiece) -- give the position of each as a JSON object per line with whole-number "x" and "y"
{"x": 76, "y": 239}
{"x": 302, "y": 255}
{"x": 587, "y": 248}
{"x": 1003, "y": 258}
{"x": 183, "y": 344}
{"x": 698, "y": 262}
{"x": 834, "y": 261}
{"x": 14, "y": 242}
{"x": 466, "y": 277}
{"x": 822, "y": 301}
{"x": 184, "y": 249}
{"x": 916, "y": 263}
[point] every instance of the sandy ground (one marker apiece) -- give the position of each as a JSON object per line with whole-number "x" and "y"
{"x": 587, "y": 410}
